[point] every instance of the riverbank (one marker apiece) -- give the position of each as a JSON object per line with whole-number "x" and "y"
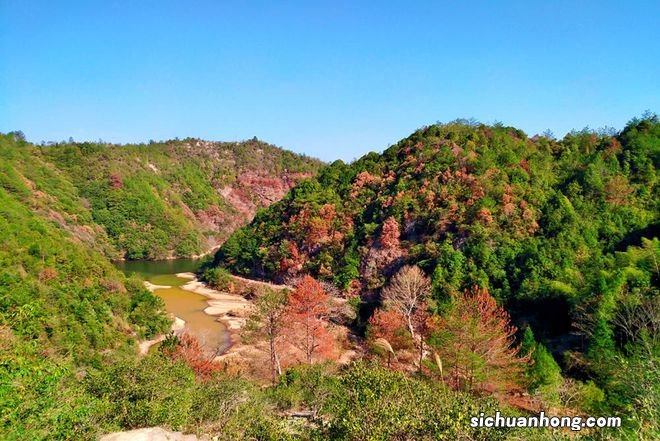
{"x": 231, "y": 310}
{"x": 227, "y": 309}
{"x": 177, "y": 325}
{"x": 208, "y": 315}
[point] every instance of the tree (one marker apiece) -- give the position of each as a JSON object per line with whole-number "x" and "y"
{"x": 543, "y": 374}
{"x": 267, "y": 322}
{"x": 424, "y": 324}
{"x": 116, "y": 181}
{"x": 387, "y": 332}
{"x": 187, "y": 347}
{"x": 389, "y": 236}
{"x": 306, "y": 311}
{"x": 406, "y": 292}
{"x": 475, "y": 339}
{"x": 390, "y": 325}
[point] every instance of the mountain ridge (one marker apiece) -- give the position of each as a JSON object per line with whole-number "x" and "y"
{"x": 175, "y": 198}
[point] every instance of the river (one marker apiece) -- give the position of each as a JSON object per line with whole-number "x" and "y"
{"x": 184, "y": 304}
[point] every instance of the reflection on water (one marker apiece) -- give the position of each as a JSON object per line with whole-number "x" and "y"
{"x": 184, "y": 304}
{"x": 150, "y": 268}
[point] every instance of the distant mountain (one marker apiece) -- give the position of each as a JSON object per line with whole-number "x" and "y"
{"x": 66, "y": 209}
{"x": 175, "y": 198}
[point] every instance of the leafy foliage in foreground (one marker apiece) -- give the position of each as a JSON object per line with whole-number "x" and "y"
{"x": 358, "y": 402}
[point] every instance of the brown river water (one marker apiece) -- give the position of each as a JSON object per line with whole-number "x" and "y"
{"x": 186, "y": 305}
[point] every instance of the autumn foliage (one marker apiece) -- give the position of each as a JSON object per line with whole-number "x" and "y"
{"x": 475, "y": 341}
{"x": 306, "y": 325}
{"x": 390, "y": 236}
{"x": 116, "y": 181}
{"x": 47, "y": 274}
{"x": 390, "y": 325}
{"x": 187, "y": 347}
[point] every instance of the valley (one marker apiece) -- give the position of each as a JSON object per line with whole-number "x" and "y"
{"x": 467, "y": 268}
{"x": 163, "y": 280}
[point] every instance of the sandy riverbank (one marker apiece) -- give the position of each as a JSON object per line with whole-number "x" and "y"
{"x": 177, "y": 327}
{"x": 152, "y": 287}
{"x": 230, "y": 309}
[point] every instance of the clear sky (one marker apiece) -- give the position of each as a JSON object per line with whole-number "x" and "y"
{"x": 332, "y": 79}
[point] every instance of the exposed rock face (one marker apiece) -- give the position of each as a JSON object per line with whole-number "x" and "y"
{"x": 253, "y": 190}
{"x": 150, "y": 434}
{"x": 176, "y": 198}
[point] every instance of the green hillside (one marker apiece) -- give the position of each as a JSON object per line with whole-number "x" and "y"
{"x": 63, "y": 305}
{"x": 65, "y": 310}
{"x": 175, "y": 198}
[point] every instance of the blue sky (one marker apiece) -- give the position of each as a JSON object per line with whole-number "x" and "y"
{"x": 331, "y": 79}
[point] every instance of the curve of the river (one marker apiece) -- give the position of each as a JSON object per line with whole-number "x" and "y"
{"x": 186, "y": 305}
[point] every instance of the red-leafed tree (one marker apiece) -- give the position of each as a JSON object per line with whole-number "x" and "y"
{"x": 116, "y": 181}
{"x": 390, "y": 325}
{"x": 295, "y": 260}
{"x": 47, "y": 274}
{"x": 306, "y": 312}
{"x": 186, "y": 347}
{"x": 389, "y": 237}
{"x": 475, "y": 341}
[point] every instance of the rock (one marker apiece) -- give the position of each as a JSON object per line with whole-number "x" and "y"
{"x": 150, "y": 434}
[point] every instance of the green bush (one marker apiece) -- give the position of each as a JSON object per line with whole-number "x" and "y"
{"x": 218, "y": 278}
{"x": 148, "y": 392}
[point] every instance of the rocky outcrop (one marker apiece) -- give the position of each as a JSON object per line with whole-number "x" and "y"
{"x": 151, "y": 434}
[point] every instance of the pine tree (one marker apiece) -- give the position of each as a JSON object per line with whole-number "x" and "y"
{"x": 475, "y": 340}
{"x": 306, "y": 312}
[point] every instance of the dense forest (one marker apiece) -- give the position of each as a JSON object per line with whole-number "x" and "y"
{"x": 468, "y": 268}
{"x": 561, "y": 233}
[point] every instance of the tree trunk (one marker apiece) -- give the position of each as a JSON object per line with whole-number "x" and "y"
{"x": 274, "y": 363}
{"x": 411, "y": 328}
{"x": 421, "y": 353}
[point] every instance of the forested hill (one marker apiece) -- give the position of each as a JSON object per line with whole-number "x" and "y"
{"x": 63, "y": 305}
{"x": 65, "y": 310}
{"x": 162, "y": 199}
{"x": 470, "y": 204}
{"x": 542, "y": 223}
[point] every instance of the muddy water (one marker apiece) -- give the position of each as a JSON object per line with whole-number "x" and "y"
{"x": 179, "y": 302}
